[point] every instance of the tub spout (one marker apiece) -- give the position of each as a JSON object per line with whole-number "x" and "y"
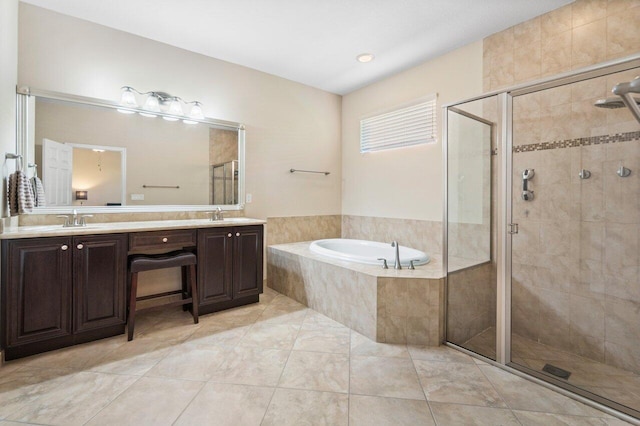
{"x": 397, "y": 264}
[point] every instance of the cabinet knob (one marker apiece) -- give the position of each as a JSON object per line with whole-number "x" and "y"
{"x": 229, "y": 235}
{"x": 80, "y": 246}
{"x": 64, "y": 247}
{"x": 165, "y": 239}
{"x": 237, "y": 234}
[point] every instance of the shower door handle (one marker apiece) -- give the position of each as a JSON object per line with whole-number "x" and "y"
{"x": 527, "y": 175}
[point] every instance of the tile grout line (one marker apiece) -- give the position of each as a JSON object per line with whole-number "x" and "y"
{"x": 285, "y": 364}
{"x": 421, "y": 386}
{"x": 112, "y": 401}
{"x": 190, "y": 402}
{"x": 499, "y": 393}
{"x": 349, "y": 383}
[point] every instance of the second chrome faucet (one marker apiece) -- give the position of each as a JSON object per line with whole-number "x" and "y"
{"x": 396, "y": 264}
{"x": 71, "y": 220}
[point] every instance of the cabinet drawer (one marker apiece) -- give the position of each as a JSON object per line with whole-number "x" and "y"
{"x": 161, "y": 239}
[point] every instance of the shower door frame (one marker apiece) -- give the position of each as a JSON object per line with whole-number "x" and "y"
{"x": 504, "y": 135}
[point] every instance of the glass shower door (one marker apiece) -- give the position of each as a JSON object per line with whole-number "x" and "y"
{"x": 469, "y": 256}
{"x": 575, "y": 285}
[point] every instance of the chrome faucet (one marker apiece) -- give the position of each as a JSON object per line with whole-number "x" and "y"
{"x": 71, "y": 220}
{"x": 397, "y": 264}
{"x": 217, "y": 214}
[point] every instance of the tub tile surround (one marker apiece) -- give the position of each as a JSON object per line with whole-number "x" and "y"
{"x": 425, "y": 235}
{"x": 384, "y": 305}
{"x": 372, "y": 383}
{"x": 282, "y": 230}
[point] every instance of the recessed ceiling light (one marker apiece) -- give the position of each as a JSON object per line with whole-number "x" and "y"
{"x": 365, "y": 57}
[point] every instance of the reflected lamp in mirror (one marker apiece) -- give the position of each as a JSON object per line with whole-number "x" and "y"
{"x": 82, "y": 196}
{"x": 156, "y": 101}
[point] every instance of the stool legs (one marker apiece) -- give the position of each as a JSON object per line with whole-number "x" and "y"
{"x": 194, "y": 293}
{"x": 132, "y": 305}
{"x": 184, "y": 272}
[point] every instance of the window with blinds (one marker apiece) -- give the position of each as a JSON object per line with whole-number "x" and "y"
{"x": 408, "y": 126}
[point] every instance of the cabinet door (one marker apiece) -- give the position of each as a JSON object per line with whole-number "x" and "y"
{"x": 215, "y": 251}
{"x": 247, "y": 261}
{"x": 99, "y": 280}
{"x": 37, "y": 289}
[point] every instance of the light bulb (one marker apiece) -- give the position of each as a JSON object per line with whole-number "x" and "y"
{"x": 174, "y": 109}
{"x": 128, "y": 98}
{"x": 196, "y": 111}
{"x": 152, "y": 104}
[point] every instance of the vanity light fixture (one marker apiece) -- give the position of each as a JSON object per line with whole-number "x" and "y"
{"x": 365, "y": 57}
{"x": 156, "y": 101}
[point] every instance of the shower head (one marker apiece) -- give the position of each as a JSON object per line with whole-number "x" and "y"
{"x": 611, "y": 103}
{"x": 621, "y": 89}
{"x": 624, "y": 90}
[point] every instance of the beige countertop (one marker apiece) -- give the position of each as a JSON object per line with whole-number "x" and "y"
{"x": 118, "y": 227}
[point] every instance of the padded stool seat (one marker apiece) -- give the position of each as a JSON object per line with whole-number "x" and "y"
{"x": 148, "y": 262}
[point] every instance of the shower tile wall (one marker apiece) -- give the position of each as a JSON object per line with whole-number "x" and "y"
{"x": 575, "y": 261}
{"x": 580, "y": 34}
{"x": 576, "y": 256}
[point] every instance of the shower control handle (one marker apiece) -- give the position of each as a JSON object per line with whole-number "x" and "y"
{"x": 527, "y": 175}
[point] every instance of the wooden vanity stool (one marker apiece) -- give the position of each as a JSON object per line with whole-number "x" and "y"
{"x": 144, "y": 262}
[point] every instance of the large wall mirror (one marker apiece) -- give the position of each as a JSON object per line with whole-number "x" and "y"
{"x": 91, "y": 156}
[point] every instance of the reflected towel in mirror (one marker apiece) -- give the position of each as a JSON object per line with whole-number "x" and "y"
{"x": 39, "y": 199}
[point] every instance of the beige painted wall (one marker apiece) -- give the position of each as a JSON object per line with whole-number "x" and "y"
{"x": 98, "y": 173}
{"x": 404, "y": 183}
{"x": 8, "y": 78}
{"x": 287, "y": 124}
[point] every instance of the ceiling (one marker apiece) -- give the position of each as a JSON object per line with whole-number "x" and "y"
{"x": 314, "y": 42}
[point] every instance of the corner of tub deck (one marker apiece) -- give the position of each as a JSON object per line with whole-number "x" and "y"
{"x": 384, "y": 305}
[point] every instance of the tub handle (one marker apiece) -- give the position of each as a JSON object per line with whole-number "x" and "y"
{"x": 411, "y": 264}
{"x": 384, "y": 263}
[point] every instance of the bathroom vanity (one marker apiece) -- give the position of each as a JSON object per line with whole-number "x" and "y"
{"x": 63, "y": 286}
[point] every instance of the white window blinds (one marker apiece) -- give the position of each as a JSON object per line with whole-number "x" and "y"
{"x": 408, "y": 126}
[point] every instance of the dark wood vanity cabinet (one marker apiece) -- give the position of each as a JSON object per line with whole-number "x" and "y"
{"x": 37, "y": 290}
{"x": 59, "y": 291}
{"x": 230, "y": 265}
{"x": 62, "y": 290}
{"x": 99, "y": 281}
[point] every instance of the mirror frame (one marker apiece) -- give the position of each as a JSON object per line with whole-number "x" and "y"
{"x": 22, "y": 138}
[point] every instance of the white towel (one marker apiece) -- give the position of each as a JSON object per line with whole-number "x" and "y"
{"x": 38, "y": 192}
{"x": 19, "y": 193}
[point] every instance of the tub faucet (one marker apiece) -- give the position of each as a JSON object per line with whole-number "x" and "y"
{"x": 397, "y": 264}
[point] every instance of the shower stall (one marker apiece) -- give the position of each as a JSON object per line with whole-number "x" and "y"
{"x": 224, "y": 185}
{"x": 542, "y": 231}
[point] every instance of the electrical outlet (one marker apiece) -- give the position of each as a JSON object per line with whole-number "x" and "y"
{"x": 137, "y": 197}
{"x": 249, "y": 198}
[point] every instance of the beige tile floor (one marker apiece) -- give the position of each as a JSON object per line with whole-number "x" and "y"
{"x": 271, "y": 363}
{"x": 610, "y": 382}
